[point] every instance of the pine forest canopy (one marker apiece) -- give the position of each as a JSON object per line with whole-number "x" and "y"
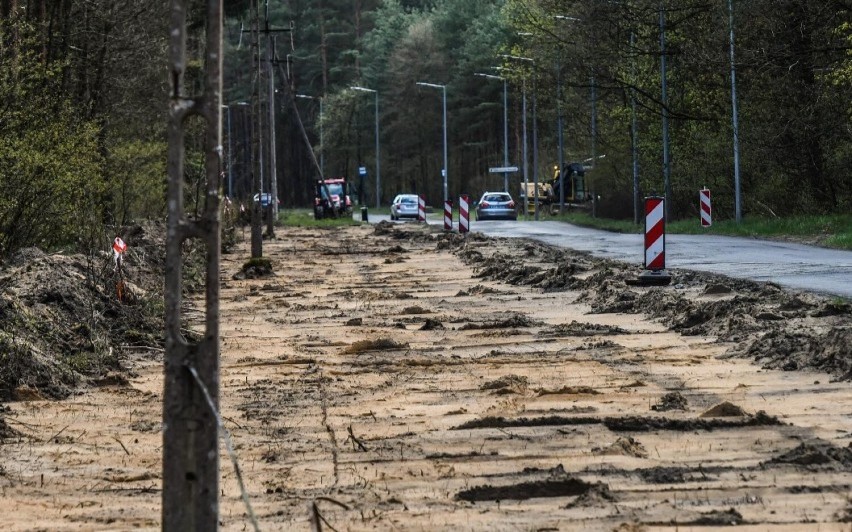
{"x": 85, "y": 99}
{"x": 793, "y": 68}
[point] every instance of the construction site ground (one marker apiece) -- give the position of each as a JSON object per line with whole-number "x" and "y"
{"x": 394, "y": 377}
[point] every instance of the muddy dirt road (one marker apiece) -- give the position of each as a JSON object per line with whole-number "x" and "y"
{"x": 400, "y": 379}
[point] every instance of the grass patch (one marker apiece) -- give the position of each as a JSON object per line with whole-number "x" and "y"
{"x": 834, "y": 231}
{"x": 305, "y": 218}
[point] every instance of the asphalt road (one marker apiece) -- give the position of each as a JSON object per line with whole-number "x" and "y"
{"x": 796, "y": 266}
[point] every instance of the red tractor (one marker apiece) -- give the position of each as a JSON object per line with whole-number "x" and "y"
{"x": 332, "y": 198}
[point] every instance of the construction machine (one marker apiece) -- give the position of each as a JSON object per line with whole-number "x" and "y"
{"x": 574, "y": 179}
{"x": 543, "y": 192}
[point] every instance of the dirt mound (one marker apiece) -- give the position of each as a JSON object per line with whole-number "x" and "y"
{"x": 724, "y": 409}
{"x": 381, "y": 344}
{"x": 809, "y": 348}
{"x": 507, "y": 384}
{"x": 431, "y": 325}
{"x": 625, "y": 446}
{"x": 61, "y": 322}
{"x": 670, "y": 401}
{"x": 817, "y": 454}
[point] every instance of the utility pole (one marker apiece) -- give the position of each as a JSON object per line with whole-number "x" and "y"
{"x": 190, "y": 470}
{"x": 257, "y": 184}
{"x": 273, "y": 174}
{"x": 257, "y": 142}
{"x": 665, "y": 102}
{"x": 634, "y": 133}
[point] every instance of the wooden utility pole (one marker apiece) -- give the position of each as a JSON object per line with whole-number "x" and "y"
{"x": 191, "y": 396}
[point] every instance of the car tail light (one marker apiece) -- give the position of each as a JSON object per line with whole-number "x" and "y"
{"x": 511, "y": 204}
{"x": 484, "y": 204}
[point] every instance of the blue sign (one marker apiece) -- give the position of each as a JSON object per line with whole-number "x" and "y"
{"x": 362, "y": 170}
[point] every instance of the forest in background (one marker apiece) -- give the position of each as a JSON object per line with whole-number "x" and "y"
{"x": 84, "y": 102}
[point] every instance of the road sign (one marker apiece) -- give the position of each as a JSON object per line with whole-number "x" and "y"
{"x": 362, "y": 170}
{"x": 502, "y": 169}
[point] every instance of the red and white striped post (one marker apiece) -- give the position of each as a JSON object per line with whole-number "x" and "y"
{"x": 655, "y": 233}
{"x": 421, "y": 209}
{"x": 655, "y": 273}
{"x": 464, "y": 214}
{"x": 706, "y": 210}
{"x": 448, "y": 215}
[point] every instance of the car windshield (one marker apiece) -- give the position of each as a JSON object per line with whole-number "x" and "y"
{"x": 408, "y": 200}
{"x": 497, "y": 198}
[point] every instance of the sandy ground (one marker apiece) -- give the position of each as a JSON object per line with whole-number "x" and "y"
{"x": 377, "y": 378}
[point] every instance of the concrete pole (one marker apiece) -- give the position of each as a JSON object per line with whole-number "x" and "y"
{"x": 273, "y": 172}
{"x": 446, "y": 168}
{"x": 560, "y": 137}
{"x": 525, "y": 169}
{"x": 665, "y": 101}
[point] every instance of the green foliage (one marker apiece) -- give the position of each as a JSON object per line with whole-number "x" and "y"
{"x": 50, "y": 175}
{"x": 136, "y": 182}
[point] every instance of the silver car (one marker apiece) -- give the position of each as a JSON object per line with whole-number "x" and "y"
{"x": 496, "y": 206}
{"x": 405, "y": 206}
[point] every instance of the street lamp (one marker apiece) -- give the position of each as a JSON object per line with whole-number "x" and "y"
{"x": 444, "y": 91}
{"x": 378, "y": 164}
{"x": 322, "y": 145}
{"x": 737, "y": 210}
{"x": 535, "y": 133}
{"x": 505, "y": 128}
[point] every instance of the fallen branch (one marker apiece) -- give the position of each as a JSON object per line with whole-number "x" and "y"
{"x": 355, "y": 440}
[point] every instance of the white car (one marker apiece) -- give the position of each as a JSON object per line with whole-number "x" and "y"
{"x": 405, "y": 206}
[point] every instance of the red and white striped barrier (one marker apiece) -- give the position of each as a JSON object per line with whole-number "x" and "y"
{"x": 448, "y": 215}
{"x": 706, "y": 210}
{"x": 421, "y": 209}
{"x": 464, "y": 214}
{"x": 655, "y": 233}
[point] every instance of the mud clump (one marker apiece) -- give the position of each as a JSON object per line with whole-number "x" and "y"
{"x": 817, "y": 454}
{"x": 560, "y": 484}
{"x": 724, "y": 409}
{"x": 576, "y": 328}
{"x": 431, "y": 325}
{"x": 507, "y": 384}
{"x": 570, "y": 390}
{"x": 670, "y": 401}
{"x": 627, "y": 423}
{"x": 381, "y": 344}
{"x": 813, "y": 349}
{"x": 664, "y": 475}
{"x": 515, "y": 320}
{"x": 255, "y": 268}
{"x": 729, "y": 517}
{"x": 625, "y": 446}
